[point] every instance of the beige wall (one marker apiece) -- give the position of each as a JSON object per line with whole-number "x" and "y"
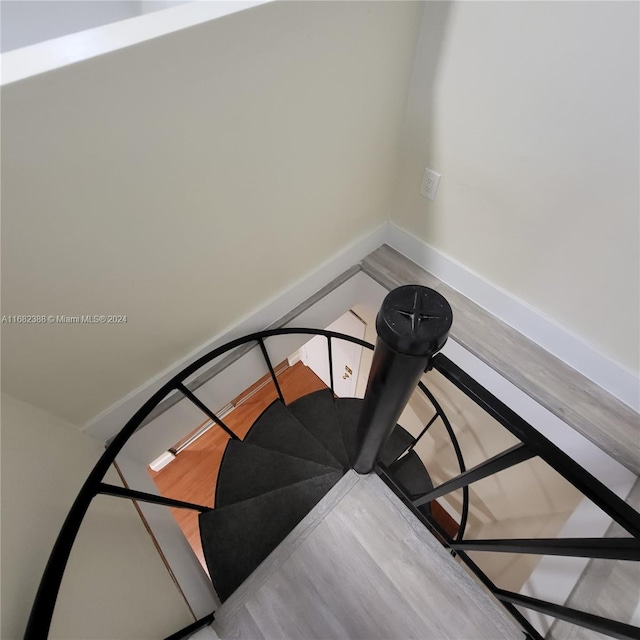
{"x": 186, "y": 180}
{"x": 529, "y": 110}
{"x": 116, "y": 585}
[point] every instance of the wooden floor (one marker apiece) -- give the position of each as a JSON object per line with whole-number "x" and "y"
{"x": 361, "y": 566}
{"x": 192, "y": 475}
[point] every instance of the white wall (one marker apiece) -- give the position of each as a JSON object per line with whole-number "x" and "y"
{"x": 186, "y": 180}
{"x": 25, "y": 22}
{"x": 529, "y": 110}
{"x": 116, "y": 585}
{"x": 148, "y": 6}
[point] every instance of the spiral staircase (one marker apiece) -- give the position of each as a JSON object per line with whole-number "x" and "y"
{"x": 295, "y": 453}
{"x": 290, "y": 458}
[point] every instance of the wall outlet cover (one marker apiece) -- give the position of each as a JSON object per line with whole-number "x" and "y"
{"x": 429, "y": 185}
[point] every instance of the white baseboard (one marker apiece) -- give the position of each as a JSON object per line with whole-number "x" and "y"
{"x": 110, "y": 421}
{"x": 562, "y": 343}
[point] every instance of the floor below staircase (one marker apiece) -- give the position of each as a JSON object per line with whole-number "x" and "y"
{"x": 360, "y": 565}
{"x": 193, "y": 475}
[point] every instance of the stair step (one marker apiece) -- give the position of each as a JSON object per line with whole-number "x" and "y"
{"x": 238, "y": 537}
{"x": 248, "y": 471}
{"x": 348, "y": 410}
{"x": 317, "y": 412}
{"x": 279, "y": 430}
{"x": 399, "y": 440}
{"x": 410, "y": 473}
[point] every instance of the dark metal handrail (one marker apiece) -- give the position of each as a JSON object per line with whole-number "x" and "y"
{"x": 532, "y": 444}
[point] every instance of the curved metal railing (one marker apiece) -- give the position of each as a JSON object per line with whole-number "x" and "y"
{"x": 456, "y": 448}
{"x": 41, "y": 614}
{"x": 532, "y": 444}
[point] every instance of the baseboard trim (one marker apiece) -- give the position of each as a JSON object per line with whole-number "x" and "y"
{"x": 544, "y": 331}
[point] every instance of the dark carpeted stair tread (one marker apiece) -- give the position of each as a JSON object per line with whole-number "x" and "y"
{"x": 410, "y": 473}
{"x": 348, "y": 411}
{"x": 398, "y": 441}
{"x": 317, "y": 412}
{"x": 248, "y": 471}
{"x": 238, "y": 537}
{"x": 278, "y": 429}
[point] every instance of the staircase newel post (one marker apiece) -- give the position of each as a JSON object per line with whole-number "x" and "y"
{"x": 412, "y": 325}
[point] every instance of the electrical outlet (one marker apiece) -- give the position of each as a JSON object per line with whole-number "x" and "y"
{"x": 430, "y": 182}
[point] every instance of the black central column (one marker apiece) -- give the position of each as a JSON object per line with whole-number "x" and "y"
{"x": 413, "y": 325}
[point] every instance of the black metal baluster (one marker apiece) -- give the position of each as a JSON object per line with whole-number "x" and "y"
{"x": 188, "y": 631}
{"x": 142, "y": 496}
{"x": 509, "y": 458}
{"x": 529, "y": 629}
{"x": 411, "y": 447}
{"x": 271, "y": 371}
{"x": 611, "y": 548}
{"x": 203, "y": 407}
{"x": 330, "y": 349}
{"x": 456, "y": 447}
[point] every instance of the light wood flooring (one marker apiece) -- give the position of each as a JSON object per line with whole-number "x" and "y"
{"x": 192, "y": 475}
{"x": 360, "y": 565}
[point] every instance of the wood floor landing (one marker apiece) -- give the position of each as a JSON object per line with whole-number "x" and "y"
{"x": 361, "y": 566}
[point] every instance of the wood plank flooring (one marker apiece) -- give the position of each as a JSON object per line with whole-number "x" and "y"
{"x": 368, "y": 569}
{"x": 193, "y": 474}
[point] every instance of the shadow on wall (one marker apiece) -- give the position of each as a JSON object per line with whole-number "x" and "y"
{"x": 419, "y": 128}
